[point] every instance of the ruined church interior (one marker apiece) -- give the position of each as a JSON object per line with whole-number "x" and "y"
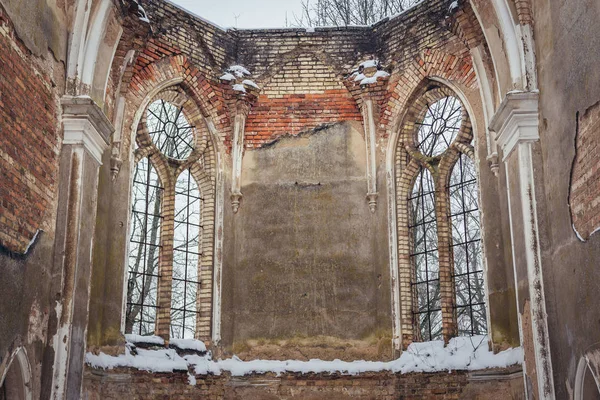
{"x": 401, "y": 210}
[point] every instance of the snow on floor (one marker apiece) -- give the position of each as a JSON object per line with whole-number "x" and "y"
{"x": 463, "y": 353}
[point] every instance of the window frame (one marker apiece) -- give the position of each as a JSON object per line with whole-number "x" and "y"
{"x": 409, "y": 161}
{"x": 200, "y": 164}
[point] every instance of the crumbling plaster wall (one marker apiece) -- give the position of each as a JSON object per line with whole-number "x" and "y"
{"x": 567, "y": 41}
{"x": 311, "y": 258}
{"x": 33, "y": 39}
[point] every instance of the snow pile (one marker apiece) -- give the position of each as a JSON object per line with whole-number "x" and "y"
{"x": 369, "y": 72}
{"x": 373, "y": 79}
{"x": 131, "y": 338}
{"x": 227, "y": 77}
{"x": 189, "y": 344}
{"x": 464, "y": 353}
{"x": 163, "y": 360}
{"x": 238, "y": 71}
{"x": 369, "y": 64}
{"x": 238, "y": 78}
{"x": 238, "y": 87}
{"x": 248, "y": 82}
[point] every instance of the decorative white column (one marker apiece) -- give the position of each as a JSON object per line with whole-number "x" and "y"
{"x": 517, "y": 130}
{"x": 243, "y": 93}
{"x": 237, "y": 152}
{"x": 370, "y": 140}
{"x": 486, "y": 93}
{"x": 86, "y": 137}
{"x": 370, "y": 81}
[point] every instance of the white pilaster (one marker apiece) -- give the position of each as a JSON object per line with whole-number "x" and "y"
{"x": 237, "y": 153}
{"x": 517, "y": 129}
{"x": 370, "y": 141}
{"x": 86, "y": 137}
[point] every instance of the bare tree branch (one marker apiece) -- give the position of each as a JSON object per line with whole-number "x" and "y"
{"x": 348, "y": 12}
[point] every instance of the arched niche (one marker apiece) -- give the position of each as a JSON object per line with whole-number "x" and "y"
{"x": 15, "y": 379}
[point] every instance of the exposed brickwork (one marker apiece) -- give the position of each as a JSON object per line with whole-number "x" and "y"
{"x": 585, "y": 181}
{"x": 431, "y": 63}
{"x": 301, "y": 95}
{"x": 209, "y": 47}
{"x": 208, "y": 95}
{"x": 29, "y": 142}
{"x": 465, "y": 26}
{"x": 133, "y": 40}
{"x": 524, "y": 12}
{"x": 301, "y": 74}
{"x": 294, "y": 113}
{"x": 124, "y": 383}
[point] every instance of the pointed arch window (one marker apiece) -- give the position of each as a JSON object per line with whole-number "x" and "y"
{"x": 438, "y": 221}
{"x": 172, "y": 222}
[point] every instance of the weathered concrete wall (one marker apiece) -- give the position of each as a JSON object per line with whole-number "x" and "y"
{"x": 310, "y": 256}
{"x": 567, "y": 38}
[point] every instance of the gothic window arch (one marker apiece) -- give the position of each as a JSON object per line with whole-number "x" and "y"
{"x": 439, "y": 232}
{"x": 169, "y": 281}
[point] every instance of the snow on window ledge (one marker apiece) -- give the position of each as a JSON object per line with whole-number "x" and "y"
{"x": 463, "y": 353}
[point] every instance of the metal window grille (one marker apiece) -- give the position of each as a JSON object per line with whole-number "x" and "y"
{"x": 186, "y": 256}
{"x": 170, "y": 130}
{"x": 424, "y": 257}
{"x": 440, "y": 126}
{"x": 466, "y": 248}
{"x": 144, "y": 249}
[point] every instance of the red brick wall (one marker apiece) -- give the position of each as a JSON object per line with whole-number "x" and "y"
{"x": 29, "y": 142}
{"x": 292, "y": 113}
{"x": 123, "y": 383}
{"x": 585, "y": 181}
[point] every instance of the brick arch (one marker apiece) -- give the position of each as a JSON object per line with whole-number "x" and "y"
{"x": 166, "y": 72}
{"x": 131, "y": 42}
{"x": 430, "y": 63}
{"x": 464, "y": 24}
{"x": 428, "y": 91}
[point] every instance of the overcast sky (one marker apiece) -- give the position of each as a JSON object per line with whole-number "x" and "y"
{"x": 249, "y": 13}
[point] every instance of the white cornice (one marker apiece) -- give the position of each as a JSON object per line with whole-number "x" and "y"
{"x": 516, "y": 121}
{"x": 85, "y": 124}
